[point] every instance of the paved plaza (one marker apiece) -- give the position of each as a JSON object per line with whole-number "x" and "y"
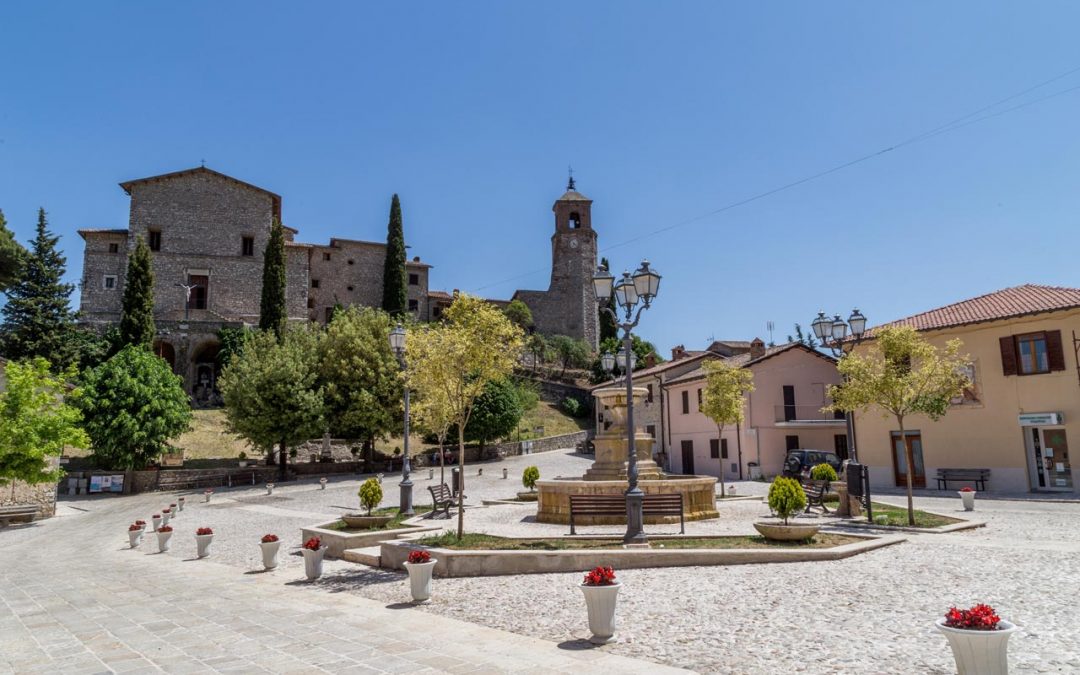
{"x": 74, "y": 599}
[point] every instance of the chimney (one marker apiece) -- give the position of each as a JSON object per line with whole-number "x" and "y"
{"x": 650, "y": 360}
{"x": 416, "y": 258}
{"x": 678, "y": 352}
{"x": 757, "y": 348}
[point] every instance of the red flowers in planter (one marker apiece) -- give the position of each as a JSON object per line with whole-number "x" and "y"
{"x": 269, "y": 538}
{"x": 134, "y": 527}
{"x": 203, "y": 530}
{"x": 165, "y": 528}
{"x": 601, "y": 576}
{"x": 966, "y": 489}
{"x": 419, "y": 557}
{"x": 140, "y": 523}
{"x": 979, "y": 617}
{"x": 313, "y": 544}
{"x": 165, "y": 511}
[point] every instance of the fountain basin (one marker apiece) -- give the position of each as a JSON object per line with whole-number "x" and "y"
{"x": 553, "y": 506}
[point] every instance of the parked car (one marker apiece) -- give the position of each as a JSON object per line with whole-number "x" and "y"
{"x": 799, "y": 462}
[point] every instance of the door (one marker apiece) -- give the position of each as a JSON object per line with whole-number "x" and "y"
{"x": 197, "y": 295}
{"x": 914, "y": 441}
{"x": 1055, "y": 450}
{"x": 688, "y": 457}
{"x": 789, "y": 403}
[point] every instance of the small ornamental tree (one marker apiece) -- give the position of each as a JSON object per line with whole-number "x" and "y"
{"x": 823, "y": 472}
{"x": 36, "y": 422}
{"x": 786, "y": 497}
{"x": 902, "y": 374}
{"x": 370, "y": 494}
{"x": 132, "y": 406}
{"x": 496, "y": 413}
{"x": 271, "y": 392}
{"x": 137, "y": 311}
{"x": 518, "y": 312}
{"x": 724, "y": 398}
{"x": 529, "y": 476}
{"x": 272, "y": 308}
{"x": 539, "y": 349}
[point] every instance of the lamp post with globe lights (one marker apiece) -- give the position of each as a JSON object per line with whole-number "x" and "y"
{"x": 834, "y": 334}
{"x": 634, "y": 294}
{"x": 405, "y": 506}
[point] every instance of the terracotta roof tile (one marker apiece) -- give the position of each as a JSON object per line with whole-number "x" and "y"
{"x": 1003, "y": 304}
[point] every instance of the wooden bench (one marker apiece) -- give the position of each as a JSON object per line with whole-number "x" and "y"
{"x": 815, "y": 494}
{"x": 976, "y": 476}
{"x": 25, "y": 512}
{"x": 441, "y": 499}
{"x": 615, "y": 505}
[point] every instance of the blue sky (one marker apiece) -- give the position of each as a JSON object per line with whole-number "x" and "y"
{"x": 472, "y": 112}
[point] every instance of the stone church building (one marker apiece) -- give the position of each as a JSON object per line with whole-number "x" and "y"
{"x": 207, "y": 232}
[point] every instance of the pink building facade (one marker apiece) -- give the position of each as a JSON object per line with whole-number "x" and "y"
{"x": 782, "y": 413}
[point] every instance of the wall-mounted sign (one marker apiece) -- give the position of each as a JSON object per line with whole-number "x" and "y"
{"x": 1041, "y": 419}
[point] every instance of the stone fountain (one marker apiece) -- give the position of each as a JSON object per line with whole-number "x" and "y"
{"x": 607, "y": 475}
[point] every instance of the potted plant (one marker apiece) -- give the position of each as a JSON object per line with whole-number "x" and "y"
{"x": 135, "y": 533}
{"x": 174, "y": 511}
{"x": 207, "y": 495}
{"x": 270, "y": 545}
{"x": 529, "y": 476}
{"x": 164, "y": 534}
{"x": 420, "y": 565}
{"x": 371, "y": 495}
{"x": 313, "y": 551}
{"x": 269, "y": 488}
{"x": 967, "y": 497}
{"x": 141, "y": 524}
{"x": 155, "y": 521}
{"x": 242, "y": 459}
{"x": 204, "y": 536}
{"x": 322, "y": 483}
{"x": 786, "y": 498}
{"x": 601, "y": 590}
{"x": 979, "y": 639}
{"x": 180, "y": 503}
{"x": 166, "y": 516}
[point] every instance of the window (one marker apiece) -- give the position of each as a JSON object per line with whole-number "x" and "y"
{"x": 349, "y": 288}
{"x": 437, "y": 312}
{"x": 325, "y": 256}
{"x": 314, "y": 283}
{"x": 114, "y": 248}
{"x": 686, "y": 403}
{"x": 840, "y": 445}
{"x": 200, "y": 284}
{"x": 311, "y": 303}
{"x": 350, "y": 262}
{"x": 651, "y": 430}
{"x": 329, "y": 314}
{"x": 649, "y": 398}
{"x": 699, "y": 400}
{"x": 247, "y": 246}
{"x": 714, "y": 448}
{"x": 414, "y": 305}
{"x": 789, "y": 403}
{"x": 109, "y": 282}
{"x": 155, "y": 240}
{"x": 414, "y": 279}
{"x": 1032, "y": 353}
{"x": 791, "y": 442}
{"x": 723, "y": 448}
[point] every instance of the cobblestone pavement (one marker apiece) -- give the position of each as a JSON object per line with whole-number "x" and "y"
{"x": 92, "y": 605}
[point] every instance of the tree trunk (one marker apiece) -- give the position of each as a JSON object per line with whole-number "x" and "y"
{"x": 282, "y": 460}
{"x": 720, "y": 451}
{"x": 909, "y": 457}
{"x": 442, "y": 460}
{"x": 461, "y": 487}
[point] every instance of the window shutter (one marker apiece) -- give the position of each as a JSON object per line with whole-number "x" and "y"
{"x": 1008, "y": 355}
{"x": 1054, "y": 354}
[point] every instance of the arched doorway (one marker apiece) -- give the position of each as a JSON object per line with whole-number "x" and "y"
{"x": 167, "y": 352}
{"x": 204, "y": 388}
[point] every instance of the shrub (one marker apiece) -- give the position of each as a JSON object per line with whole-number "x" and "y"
{"x": 571, "y": 406}
{"x": 242, "y": 456}
{"x": 529, "y": 476}
{"x": 786, "y": 497}
{"x": 823, "y": 471}
{"x": 370, "y": 494}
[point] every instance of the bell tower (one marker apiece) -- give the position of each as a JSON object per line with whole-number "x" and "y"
{"x": 573, "y": 262}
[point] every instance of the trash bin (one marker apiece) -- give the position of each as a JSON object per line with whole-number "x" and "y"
{"x": 854, "y": 479}
{"x": 754, "y": 469}
{"x": 455, "y": 480}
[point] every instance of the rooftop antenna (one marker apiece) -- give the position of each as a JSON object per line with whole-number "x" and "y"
{"x": 770, "y": 326}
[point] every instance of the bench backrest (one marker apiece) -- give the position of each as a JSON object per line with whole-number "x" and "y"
{"x": 616, "y": 504}
{"x": 440, "y": 492}
{"x": 963, "y": 472}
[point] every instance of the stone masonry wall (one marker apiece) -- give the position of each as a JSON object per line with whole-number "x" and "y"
{"x": 19, "y": 493}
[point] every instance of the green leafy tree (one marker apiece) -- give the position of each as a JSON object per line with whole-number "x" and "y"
{"x": 137, "y": 312}
{"x": 272, "y": 393}
{"x": 724, "y": 398}
{"x": 232, "y": 342}
{"x": 36, "y": 422}
{"x": 518, "y": 312}
{"x": 608, "y": 329}
{"x": 272, "y": 309}
{"x": 496, "y": 413}
{"x": 642, "y": 350}
{"x": 569, "y": 352}
{"x": 395, "y": 281}
{"x": 37, "y": 317}
{"x": 538, "y": 347}
{"x": 809, "y": 340}
{"x": 132, "y": 405}
{"x": 901, "y": 374}
{"x": 360, "y": 376}
{"x": 12, "y": 256}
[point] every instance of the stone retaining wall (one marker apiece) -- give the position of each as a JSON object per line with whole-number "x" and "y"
{"x": 19, "y": 493}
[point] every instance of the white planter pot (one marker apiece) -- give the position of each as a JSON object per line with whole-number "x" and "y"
{"x": 313, "y": 562}
{"x": 181, "y": 505}
{"x": 979, "y": 652}
{"x": 600, "y": 601}
{"x": 163, "y": 541}
{"x": 206, "y": 496}
{"x": 135, "y": 538}
{"x": 155, "y": 522}
{"x": 270, "y": 553}
{"x": 173, "y": 511}
{"x": 203, "y": 541}
{"x": 269, "y": 488}
{"x": 420, "y": 579}
{"x": 968, "y": 499}
{"x": 165, "y": 518}
{"x": 322, "y": 483}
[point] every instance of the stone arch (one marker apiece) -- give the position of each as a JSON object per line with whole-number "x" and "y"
{"x": 205, "y": 371}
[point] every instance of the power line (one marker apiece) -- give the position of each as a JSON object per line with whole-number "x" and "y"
{"x": 952, "y": 125}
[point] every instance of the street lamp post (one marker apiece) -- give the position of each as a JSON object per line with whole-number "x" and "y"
{"x": 631, "y": 291}
{"x": 833, "y": 334}
{"x": 405, "y": 506}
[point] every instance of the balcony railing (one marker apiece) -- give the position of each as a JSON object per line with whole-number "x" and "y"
{"x": 806, "y": 414}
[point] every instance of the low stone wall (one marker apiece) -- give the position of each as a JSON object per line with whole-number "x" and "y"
{"x": 19, "y": 493}
{"x": 320, "y": 468}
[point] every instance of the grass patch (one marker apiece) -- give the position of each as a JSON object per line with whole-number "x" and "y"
{"x": 395, "y": 522}
{"x": 487, "y": 542}
{"x": 898, "y": 517}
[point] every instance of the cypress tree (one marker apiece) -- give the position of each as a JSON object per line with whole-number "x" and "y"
{"x": 137, "y": 317}
{"x": 272, "y": 313}
{"x": 12, "y": 255}
{"x": 608, "y": 329}
{"x": 37, "y": 317}
{"x": 395, "y": 282}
